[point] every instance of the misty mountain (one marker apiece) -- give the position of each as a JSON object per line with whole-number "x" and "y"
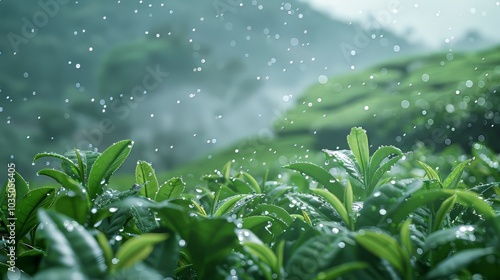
{"x": 223, "y": 71}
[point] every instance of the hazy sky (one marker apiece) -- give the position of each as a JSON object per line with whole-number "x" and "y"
{"x": 433, "y": 22}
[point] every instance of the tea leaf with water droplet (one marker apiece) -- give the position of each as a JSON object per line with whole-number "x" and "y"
{"x": 106, "y": 164}
{"x": 173, "y": 188}
{"x": 136, "y": 249}
{"x": 69, "y": 245}
{"x": 144, "y": 174}
{"x": 28, "y": 206}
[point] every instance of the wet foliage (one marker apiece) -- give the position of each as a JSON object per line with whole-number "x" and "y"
{"x": 354, "y": 220}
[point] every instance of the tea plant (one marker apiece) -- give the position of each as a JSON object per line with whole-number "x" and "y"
{"x": 313, "y": 225}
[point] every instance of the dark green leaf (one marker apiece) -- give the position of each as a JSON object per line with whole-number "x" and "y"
{"x": 28, "y": 206}
{"x": 164, "y": 256}
{"x": 209, "y": 242}
{"x": 22, "y": 187}
{"x": 71, "y": 246}
{"x": 458, "y": 262}
{"x": 75, "y": 207}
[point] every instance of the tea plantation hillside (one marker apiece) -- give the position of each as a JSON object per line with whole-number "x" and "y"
{"x": 440, "y": 100}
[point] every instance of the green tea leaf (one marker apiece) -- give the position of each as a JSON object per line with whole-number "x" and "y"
{"x": 227, "y": 204}
{"x": 348, "y": 201}
{"x": 335, "y": 202}
{"x": 165, "y": 255}
{"x": 379, "y": 172}
{"x": 384, "y": 247}
{"x": 22, "y": 187}
{"x": 382, "y": 153}
{"x": 274, "y": 211}
{"x": 443, "y": 211}
{"x": 339, "y": 270}
{"x": 64, "y": 180}
{"x": 358, "y": 143}
{"x": 71, "y": 246}
{"x": 419, "y": 199}
{"x": 451, "y": 182}
{"x": 320, "y": 175}
{"x": 145, "y": 175}
{"x": 75, "y": 207}
{"x": 346, "y": 159}
{"x": 430, "y": 172}
{"x": 106, "y": 164}
{"x": 87, "y": 160}
{"x": 173, "y": 188}
{"x": 136, "y": 249}
{"x": 28, "y": 206}
{"x": 64, "y": 159}
{"x": 209, "y": 242}
{"x": 253, "y": 183}
{"x": 447, "y": 236}
{"x": 264, "y": 254}
{"x": 405, "y": 236}
{"x": 458, "y": 261}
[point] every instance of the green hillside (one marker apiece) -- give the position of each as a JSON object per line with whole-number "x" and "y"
{"x": 440, "y": 100}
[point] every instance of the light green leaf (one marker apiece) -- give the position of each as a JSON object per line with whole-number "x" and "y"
{"x": 443, "y": 211}
{"x": 227, "y": 204}
{"x": 348, "y": 200}
{"x": 264, "y": 254}
{"x": 65, "y": 180}
{"x": 145, "y": 175}
{"x": 320, "y": 175}
{"x": 274, "y": 211}
{"x": 253, "y": 183}
{"x": 381, "y": 154}
{"x": 339, "y": 270}
{"x": 335, "y": 202}
{"x": 430, "y": 172}
{"x": 64, "y": 159}
{"x": 173, "y": 188}
{"x": 421, "y": 198}
{"x": 379, "y": 172}
{"x": 358, "y": 143}
{"x": 384, "y": 247}
{"x": 346, "y": 159}
{"x": 405, "y": 236}
{"x": 136, "y": 249}
{"x": 451, "y": 182}
{"x": 106, "y": 164}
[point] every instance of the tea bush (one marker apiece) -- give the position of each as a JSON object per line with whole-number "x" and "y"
{"x": 311, "y": 224}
